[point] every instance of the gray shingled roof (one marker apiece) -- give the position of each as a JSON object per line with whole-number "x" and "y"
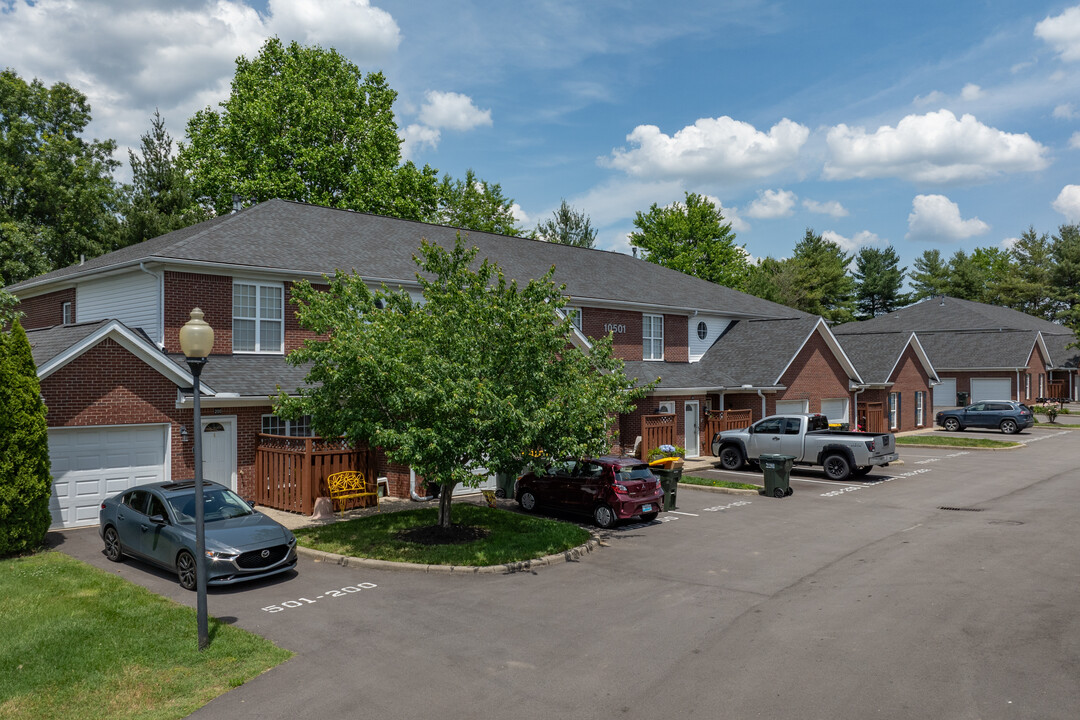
{"x": 751, "y": 352}
{"x": 874, "y": 354}
{"x": 47, "y": 343}
{"x": 949, "y": 313}
{"x": 954, "y": 351}
{"x": 1062, "y": 356}
{"x": 294, "y": 237}
{"x": 250, "y": 375}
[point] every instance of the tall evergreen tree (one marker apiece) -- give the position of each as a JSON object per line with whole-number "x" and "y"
{"x": 967, "y": 280}
{"x": 878, "y": 279}
{"x": 568, "y": 227}
{"x": 821, "y": 271}
{"x": 25, "y": 481}
{"x": 930, "y": 276}
{"x": 1065, "y": 275}
{"x": 996, "y": 266}
{"x": 1028, "y": 289}
{"x": 161, "y": 197}
{"x": 693, "y": 238}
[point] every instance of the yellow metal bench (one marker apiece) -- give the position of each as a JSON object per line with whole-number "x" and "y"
{"x": 351, "y": 484}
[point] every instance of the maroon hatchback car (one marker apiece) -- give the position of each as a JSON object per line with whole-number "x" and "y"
{"x": 609, "y": 489}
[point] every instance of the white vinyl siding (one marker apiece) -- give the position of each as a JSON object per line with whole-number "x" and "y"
{"x": 835, "y": 409}
{"x": 258, "y": 317}
{"x": 652, "y": 337}
{"x": 945, "y": 393}
{"x": 714, "y": 327}
{"x": 131, "y": 298}
{"x": 90, "y": 464}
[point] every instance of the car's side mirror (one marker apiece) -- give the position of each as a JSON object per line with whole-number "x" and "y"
{"x": 158, "y": 520}
{"x": 251, "y": 504}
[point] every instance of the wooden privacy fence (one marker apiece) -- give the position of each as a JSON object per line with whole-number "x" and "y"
{"x": 656, "y": 430}
{"x": 290, "y": 472}
{"x": 721, "y": 420}
{"x": 1057, "y": 389}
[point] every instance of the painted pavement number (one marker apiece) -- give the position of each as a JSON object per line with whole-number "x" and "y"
{"x": 300, "y": 602}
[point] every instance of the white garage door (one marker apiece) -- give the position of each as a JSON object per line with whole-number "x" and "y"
{"x": 991, "y": 389}
{"x": 91, "y": 464}
{"x": 945, "y": 393}
{"x": 789, "y": 407}
{"x": 836, "y": 410}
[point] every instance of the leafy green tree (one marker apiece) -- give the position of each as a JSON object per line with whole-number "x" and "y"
{"x": 58, "y": 199}
{"x": 820, "y": 271}
{"x": 878, "y": 279}
{"x": 25, "y": 480}
{"x": 8, "y": 303}
{"x": 567, "y": 226}
{"x": 1028, "y": 288}
{"x": 996, "y": 265}
{"x": 474, "y": 204}
{"x": 161, "y": 197}
{"x": 967, "y": 279}
{"x": 303, "y": 123}
{"x": 930, "y": 276}
{"x": 1065, "y": 275}
{"x": 476, "y": 375}
{"x": 693, "y": 238}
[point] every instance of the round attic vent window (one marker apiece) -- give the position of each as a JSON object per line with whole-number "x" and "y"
{"x": 702, "y": 330}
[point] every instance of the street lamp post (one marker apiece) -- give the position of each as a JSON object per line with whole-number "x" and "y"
{"x": 196, "y": 341}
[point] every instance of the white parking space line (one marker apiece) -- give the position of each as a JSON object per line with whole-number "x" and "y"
{"x": 824, "y": 482}
{"x": 676, "y": 512}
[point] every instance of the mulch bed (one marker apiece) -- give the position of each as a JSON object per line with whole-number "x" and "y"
{"x": 435, "y": 535}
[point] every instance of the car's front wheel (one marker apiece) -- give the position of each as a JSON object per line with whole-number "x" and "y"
{"x": 113, "y": 549}
{"x": 731, "y": 458}
{"x": 951, "y": 424}
{"x": 527, "y": 501}
{"x": 605, "y": 517}
{"x": 186, "y": 570}
{"x": 1009, "y": 427}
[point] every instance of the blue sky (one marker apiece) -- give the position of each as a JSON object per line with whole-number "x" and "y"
{"x": 949, "y": 125}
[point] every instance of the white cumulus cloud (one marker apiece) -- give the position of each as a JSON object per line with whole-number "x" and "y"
{"x": 453, "y": 111}
{"x": 1065, "y": 111}
{"x": 1068, "y": 203}
{"x": 860, "y": 239}
{"x": 831, "y": 207}
{"x": 772, "y": 204}
{"x": 936, "y": 217}
{"x": 717, "y": 149}
{"x": 936, "y": 148}
{"x": 730, "y": 215}
{"x": 1074, "y": 141}
{"x": 416, "y": 137}
{"x": 1062, "y": 32}
{"x": 971, "y": 91}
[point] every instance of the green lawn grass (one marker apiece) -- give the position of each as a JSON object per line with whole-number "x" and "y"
{"x": 81, "y": 643}
{"x": 712, "y": 482}
{"x": 512, "y": 537}
{"x": 1040, "y": 423}
{"x": 954, "y": 441}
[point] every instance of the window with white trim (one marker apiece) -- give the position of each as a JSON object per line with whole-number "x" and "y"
{"x": 894, "y": 411}
{"x": 1042, "y": 385}
{"x": 920, "y": 409}
{"x": 258, "y": 317}
{"x": 575, "y": 317}
{"x": 1027, "y": 385}
{"x": 652, "y": 337}
{"x": 67, "y": 314}
{"x": 273, "y": 425}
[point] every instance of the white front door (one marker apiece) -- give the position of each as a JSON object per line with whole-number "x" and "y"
{"x": 692, "y": 410}
{"x": 219, "y": 450}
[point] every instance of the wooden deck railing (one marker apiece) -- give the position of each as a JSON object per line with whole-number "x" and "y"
{"x": 721, "y": 420}
{"x": 290, "y": 472}
{"x": 656, "y": 430}
{"x": 1057, "y": 389}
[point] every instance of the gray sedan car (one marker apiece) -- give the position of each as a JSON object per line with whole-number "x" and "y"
{"x": 156, "y": 522}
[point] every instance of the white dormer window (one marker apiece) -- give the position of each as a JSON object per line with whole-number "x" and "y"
{"x": 575, "y": 316}
{"x": 68, "y": 318}
{"x": 258, "y": 317}
{"x": 652, "y": 337}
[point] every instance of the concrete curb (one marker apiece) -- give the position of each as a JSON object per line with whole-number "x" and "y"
{"x": 724, "y": 490}
{"x": 571, "y": 555}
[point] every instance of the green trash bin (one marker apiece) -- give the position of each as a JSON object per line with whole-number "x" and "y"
{"x": 962, "y": 398}
{"x": 505, "y": 484}
{"x": 669, "y": 483}
{"x": 777, "y": 474}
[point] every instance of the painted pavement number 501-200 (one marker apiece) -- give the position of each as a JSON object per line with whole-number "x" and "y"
{"x": 302, "y": 602}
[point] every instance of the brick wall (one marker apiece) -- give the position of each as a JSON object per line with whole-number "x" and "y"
{"x": 46, "y": 310}
{"x": 814, "y": 374}
{"x": 676, "y": 339}
{"x": 630, "y": 423}
{"x": 908, "y": 378}
{"x": 627, "y": 344}
{"x": 294, "y": 334}
{"x": 210, "y": 293}
{"x": 1037, "y": 367}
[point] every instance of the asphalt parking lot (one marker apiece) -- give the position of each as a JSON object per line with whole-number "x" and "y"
{"x": 942, "y": 588}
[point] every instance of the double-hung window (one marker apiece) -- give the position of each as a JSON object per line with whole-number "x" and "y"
{"x": 920, "y": 410}
{"x": 652, "y": 337}
{"x": 894, "y": 411}
{"x": 258, "y": 317}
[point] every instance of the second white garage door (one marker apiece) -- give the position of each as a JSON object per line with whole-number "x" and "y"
{"x": 91, "y": 464}
{"x": 945, "y": 393}
{"x": 991, "y": 389}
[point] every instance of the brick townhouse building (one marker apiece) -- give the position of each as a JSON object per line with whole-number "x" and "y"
{"x": 105, "y": 338}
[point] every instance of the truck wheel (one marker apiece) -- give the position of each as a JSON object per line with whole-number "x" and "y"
{"x": 837, "y": 467}
{"x": 863, "y": 471}
{"x": 731, "y": 458}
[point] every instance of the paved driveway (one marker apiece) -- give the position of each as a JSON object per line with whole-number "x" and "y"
{"x": 943, "y": 589}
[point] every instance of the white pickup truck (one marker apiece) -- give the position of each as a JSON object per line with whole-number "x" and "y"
{"x": 840, "y": 453}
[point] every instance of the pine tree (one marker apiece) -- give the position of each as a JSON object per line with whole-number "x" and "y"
{"x": 878, "y": 282}
{"x": 930, "y": 276}
{"x": 821, "y": 268}
{"x": 25, "y": 480}
{"x": 567, "y": 226}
